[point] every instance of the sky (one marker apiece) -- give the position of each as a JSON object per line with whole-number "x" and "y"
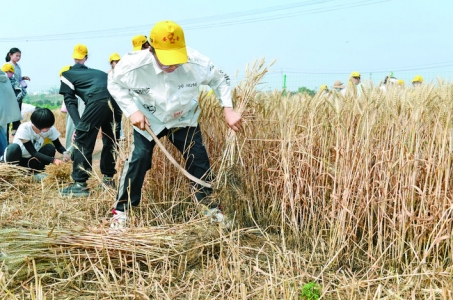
{"x": 312, "y": 41}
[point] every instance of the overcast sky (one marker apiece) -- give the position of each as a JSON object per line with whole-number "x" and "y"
{"x": 326, "y": 38}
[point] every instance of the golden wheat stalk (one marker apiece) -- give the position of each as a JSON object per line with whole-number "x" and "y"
{"x": 243, "y": 94}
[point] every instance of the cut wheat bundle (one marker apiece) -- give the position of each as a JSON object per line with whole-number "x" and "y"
{"x": 52, "y": 250}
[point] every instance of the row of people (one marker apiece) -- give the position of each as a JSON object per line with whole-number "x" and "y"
{"x": 14, "y": 73}
{"x": 156, "y": 86}
{"x": 355, "y": 80}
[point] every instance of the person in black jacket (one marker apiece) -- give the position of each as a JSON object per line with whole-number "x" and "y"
{"x": 101, "y": 112}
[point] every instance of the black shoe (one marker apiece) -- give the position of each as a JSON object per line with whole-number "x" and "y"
{"x": 77, "y": 189}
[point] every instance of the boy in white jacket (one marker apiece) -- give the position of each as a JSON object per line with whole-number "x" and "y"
{"x": 164, "y": 82}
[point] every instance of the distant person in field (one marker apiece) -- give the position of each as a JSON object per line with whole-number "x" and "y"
{"x": 140, "y": 42}
{"x": 389, "y": 82}
{"x": 101, "y": 112}
{"x": 417, "y": 81}
{"x": 165, "y": 80}
{"x": 114, "y": 59}
{"x": 70, "y": 127}
{"x": 323, "y": 90}
{"x": 13, "y": 57}
{"x": 354, "y": 86}
{"x": 338, "y": 86}
{"x": 28, "y": 149}
{"x": 9, "y": 110}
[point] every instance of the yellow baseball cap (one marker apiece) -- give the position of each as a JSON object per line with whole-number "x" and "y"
{"x": 355, "y": 74}
{"x": 167, "y": 38}
{"x": 400, "y": 82}
{"x": 114, "y": 56}
{"x": 64, "y": 69}
{"x": 8, "y": 68}
{"x": 417, "y": 78}
{"x": 323, "y": 87}
{"x": 138, "y": 41}
{"x": 80, "y": 51}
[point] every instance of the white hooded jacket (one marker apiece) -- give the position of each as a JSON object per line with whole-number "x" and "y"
{"x": 168, "y": 100}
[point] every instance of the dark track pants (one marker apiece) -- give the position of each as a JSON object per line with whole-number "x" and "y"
{"x": 187, "y": 140}
{"x": 97, "y": 115}
{"x": 14, "y": 155}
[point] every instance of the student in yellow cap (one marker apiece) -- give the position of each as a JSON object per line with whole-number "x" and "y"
{"x": 140, "y": 42}
{"x": 323, "y": 90}
{"x": 354, "y": 87}
{"x": 417, "y": 81}
{"x": 355, "y": 78}
{"x": 167, "y": 78}
{"x": 114, "y": 59}
{"x": 91, "y": 86}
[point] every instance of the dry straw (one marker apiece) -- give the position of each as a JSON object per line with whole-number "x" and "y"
{"x": 352, "y": 193}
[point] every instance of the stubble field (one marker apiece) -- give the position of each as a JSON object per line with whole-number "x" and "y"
{"x": 332, "y": 198}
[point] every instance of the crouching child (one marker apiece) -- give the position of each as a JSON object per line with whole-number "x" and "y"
{"x": 28, "y": 148}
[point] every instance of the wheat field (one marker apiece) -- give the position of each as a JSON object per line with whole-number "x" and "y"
{"x": 332, "y": 198}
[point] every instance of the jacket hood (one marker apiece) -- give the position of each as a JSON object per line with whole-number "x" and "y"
{"x": 3, "y": 77}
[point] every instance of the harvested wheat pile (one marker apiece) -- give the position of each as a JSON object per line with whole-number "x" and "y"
{"x": 53, "y": 251}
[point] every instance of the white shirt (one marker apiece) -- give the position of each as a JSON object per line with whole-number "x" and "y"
{"x": 351, "y": 88}
{"x": 26, "y": 132}
{"x": 167, "y": 100}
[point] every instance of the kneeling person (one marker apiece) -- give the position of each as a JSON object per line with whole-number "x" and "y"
{"x": 28, "y": 149}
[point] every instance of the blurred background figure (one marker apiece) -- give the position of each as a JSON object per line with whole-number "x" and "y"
{"x": 417, "y": 81}
{"x": 355, "y": 78}
{"x": 323, "y": 90}
{"x": 354, "y": 86}
{"x": 389, "y": 81}
{"x": 140, "y": 42}
{"x": 114, "y": 59}
{"x": 338, "y": 86}
{"x": 18, "y": 81}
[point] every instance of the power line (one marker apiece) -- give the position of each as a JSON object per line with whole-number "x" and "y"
{"x": 221, "y": 20}
{"x": 428, "y": 66}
